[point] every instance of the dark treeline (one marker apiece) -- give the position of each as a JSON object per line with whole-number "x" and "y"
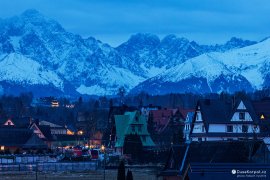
{"x": 189, "y": 100}
{"x": 95, "y": 110}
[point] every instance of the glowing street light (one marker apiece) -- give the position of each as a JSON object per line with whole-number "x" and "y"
{"x": 103, "y": 148}
{"x": 104, "y": 160}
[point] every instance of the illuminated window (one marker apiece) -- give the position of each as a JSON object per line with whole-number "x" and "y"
{"x": 262, "y": 117}
{"x": 2, "y": 148}
{"x": 69, "y": 132}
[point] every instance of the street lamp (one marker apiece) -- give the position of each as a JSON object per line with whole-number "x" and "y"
{"x": 103, "y": 149}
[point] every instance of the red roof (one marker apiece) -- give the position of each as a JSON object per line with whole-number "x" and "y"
{"x": 161, "y": 117}
{"x": 184, "y": 112}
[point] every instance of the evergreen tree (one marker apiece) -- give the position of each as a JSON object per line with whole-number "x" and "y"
{"x": 121, "y": 174}
{"x": 121, "y": 93}
{"x": 129, "y": 175}
{"x": 96, "y": 104}
{"x": 111, "y": 103}
{"x": 151, "y": 124}
{"x": 80, "y": 101}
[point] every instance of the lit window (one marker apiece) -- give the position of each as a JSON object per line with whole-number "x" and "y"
{"x": 2, "y": 148}
{"x": 262, "y": 117}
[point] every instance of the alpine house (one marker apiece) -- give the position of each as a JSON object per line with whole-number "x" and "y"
{"x": 217, "y": 120}
{"x": 132, "y": 123}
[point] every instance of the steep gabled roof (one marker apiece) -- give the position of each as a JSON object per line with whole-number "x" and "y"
{"x": 174, "y": 161}
{"x": 46, "y": 131}
{"x": 215, "y": 111}
{"x": 161, "y": 118}
{"x": 210, "y": 152}
{"x": 22, "y": 122}
{"x": 218, "y": 111}
{"x": 54, "y": 125}
{"x": 35, "y": 142}
{"x": 249, "y": 109}
{"x": 12, "y": 136}
{"x": 124, "y": 125}
{"x": 121, "y": 123}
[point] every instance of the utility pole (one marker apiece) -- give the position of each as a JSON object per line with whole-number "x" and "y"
{"x": 36, "y": 170}
{"x": 104, "y": 160}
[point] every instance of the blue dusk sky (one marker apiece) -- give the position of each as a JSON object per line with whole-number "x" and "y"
{"x": 114, "y": 21}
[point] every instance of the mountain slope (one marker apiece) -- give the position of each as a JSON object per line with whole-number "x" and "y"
{"x": 152, "y": 55}
{"x": 240, "y": 69}
{"x": 22, "y": 73}
{"x": 82, "y": 62}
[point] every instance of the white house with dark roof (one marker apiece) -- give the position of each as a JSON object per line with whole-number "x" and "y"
{"x": 217, "y": 120}
{"x": 187, "y": 127}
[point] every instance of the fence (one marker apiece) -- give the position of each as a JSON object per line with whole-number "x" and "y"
{"x": 50, "y": 167}
{"x": 11, "y": 159}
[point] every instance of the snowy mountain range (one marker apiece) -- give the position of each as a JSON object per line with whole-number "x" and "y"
{"x": 245, "y": 68}
{"x": 37, "y": 54}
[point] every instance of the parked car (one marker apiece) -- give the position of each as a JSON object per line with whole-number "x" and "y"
{"x": 95, "y": 154}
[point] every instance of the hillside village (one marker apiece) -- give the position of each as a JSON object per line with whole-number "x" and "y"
{"x": 210, "y": 130}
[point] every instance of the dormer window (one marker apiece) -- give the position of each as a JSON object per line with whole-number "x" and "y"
{"x": 9, "y": 123}
{"x": 241, "y": 115}
{"x": 262, "y": 117}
